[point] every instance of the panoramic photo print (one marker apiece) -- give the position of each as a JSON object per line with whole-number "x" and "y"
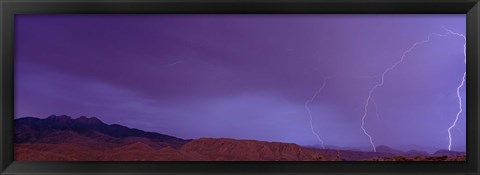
{"x": 226, "y": 87}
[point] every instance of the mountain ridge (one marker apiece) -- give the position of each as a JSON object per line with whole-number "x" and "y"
{"x": 64, "y": 138}
{"x": 30, "y": 130}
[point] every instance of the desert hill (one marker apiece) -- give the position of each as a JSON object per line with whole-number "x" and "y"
{"x": 61, "y": 138}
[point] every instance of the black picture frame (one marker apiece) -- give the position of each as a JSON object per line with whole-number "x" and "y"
{"x": 8, "y": 9}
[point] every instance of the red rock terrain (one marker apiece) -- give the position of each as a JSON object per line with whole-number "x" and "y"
{"x": 201, "y": 149}
{"x": 205, "y": 149}
{"x": 249, "y": 150}
{"x": 60, "y": 138}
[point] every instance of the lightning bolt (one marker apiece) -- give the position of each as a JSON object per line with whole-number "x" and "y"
{"x": 464, "y": 45}
{"x": 460, "y": 108}
{"x": 381, "y": 83}
{"x": 458, "y": 114}
{"x": 318, "y": 92}
{"x": 310, "y": 112}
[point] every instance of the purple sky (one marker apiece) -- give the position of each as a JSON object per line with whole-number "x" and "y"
{"x": 246, "y": 76}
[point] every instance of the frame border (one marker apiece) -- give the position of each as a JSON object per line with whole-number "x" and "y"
{"x": 8, "y": 9}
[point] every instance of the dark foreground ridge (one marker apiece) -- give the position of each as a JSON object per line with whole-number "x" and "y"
{"x": 55, "y": 128}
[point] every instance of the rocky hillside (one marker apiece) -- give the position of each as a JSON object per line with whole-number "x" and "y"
{"x": 61, "y": 138}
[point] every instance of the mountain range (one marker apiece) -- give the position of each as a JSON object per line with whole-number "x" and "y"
{"x": 63, "y": 138}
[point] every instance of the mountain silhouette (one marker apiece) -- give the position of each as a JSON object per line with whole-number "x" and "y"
{"x": 30, "y": 130}
{"x": 62, "y": 138}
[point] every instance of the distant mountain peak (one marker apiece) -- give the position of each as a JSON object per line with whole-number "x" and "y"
{"x": 89, "y": 120}
{"x": 409, "y": 147}
{"x": 386, "y": 149}
{"x": 444, "y": 152}
{"x": 81, "y": 119}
